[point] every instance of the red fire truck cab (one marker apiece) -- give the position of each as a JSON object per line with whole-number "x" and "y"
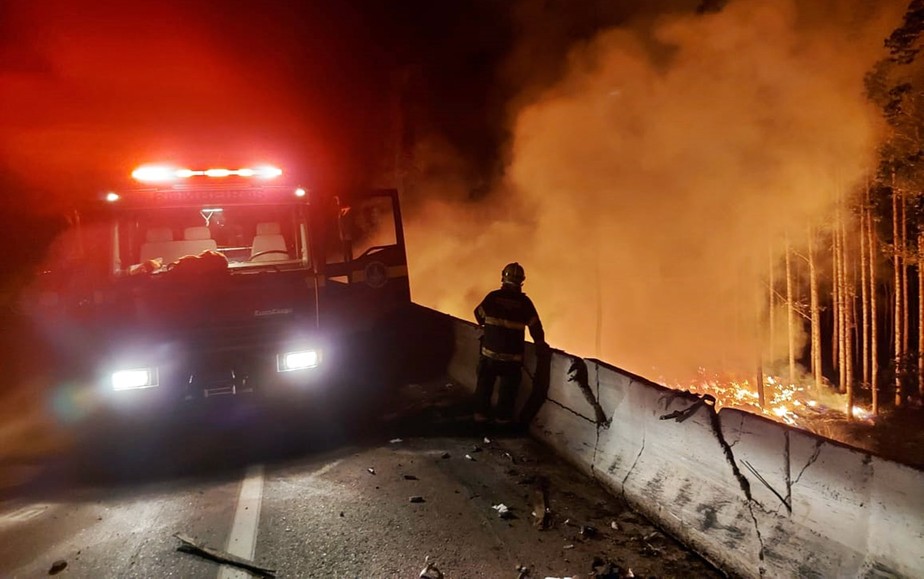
{"x": 225, "y": 282}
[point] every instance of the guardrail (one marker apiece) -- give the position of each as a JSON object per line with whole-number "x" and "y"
{"x": 756, "y": 497}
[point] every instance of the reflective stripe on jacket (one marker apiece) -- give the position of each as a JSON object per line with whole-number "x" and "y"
{"x": 505, "y": 313}
{"x": 501, "y": 357}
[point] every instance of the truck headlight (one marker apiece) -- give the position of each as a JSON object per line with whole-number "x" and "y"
{"x": 134, "y": 378}
{"x": 298, "y": 360}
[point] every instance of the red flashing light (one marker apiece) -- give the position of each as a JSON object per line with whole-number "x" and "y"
{"x": 162, "y": 173}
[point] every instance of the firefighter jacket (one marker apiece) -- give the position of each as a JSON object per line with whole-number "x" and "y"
{"x": 505, "y": 313}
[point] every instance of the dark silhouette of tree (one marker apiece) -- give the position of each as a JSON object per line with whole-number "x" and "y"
{"x": 903, "y": 42}
{"x": 896, "y": 85}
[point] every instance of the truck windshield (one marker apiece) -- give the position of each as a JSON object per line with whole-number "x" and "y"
{"x": 247, "y": 237}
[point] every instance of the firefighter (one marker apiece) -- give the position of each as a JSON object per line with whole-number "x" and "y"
{"x": 503, "y": 315}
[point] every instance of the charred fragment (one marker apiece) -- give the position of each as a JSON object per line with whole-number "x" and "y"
{"x": 579, "y": 376}
{"x": 190, "y": 545}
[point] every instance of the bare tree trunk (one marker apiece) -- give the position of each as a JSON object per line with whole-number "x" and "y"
{"x": 835, "y": 304}
{"x": 816, "y": 312}
{"x": 847, "y": 294}
{"x": 920, "y": 315}
{"x": 897, "y": 267}
{"x": 841, "y": 303}
{"x": 790, "y": 321}
{"x": 864, "y": 295}
{"x": 873, "y": 334}
{"x": 758, "y": 342}
{"x": 772, "y": 297}
{"x": 904, "y": 251}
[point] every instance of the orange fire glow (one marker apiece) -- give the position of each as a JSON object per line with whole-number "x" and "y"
{"x": 784, "y": 401}
{"x": 653, "y": 188}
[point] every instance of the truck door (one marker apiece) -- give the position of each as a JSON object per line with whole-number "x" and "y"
{"x": 370, "y": 280}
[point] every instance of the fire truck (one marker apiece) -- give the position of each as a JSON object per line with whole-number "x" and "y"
{"x": 194, "y": 285}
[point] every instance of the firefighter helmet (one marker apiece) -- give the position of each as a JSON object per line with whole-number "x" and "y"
{"x": 513, "y": 274}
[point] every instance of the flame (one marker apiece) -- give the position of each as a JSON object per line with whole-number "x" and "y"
{"x": 786, "y": 402}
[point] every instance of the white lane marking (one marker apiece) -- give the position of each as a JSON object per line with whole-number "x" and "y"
{"x": 243, "y": 539}
{"x": 24, "y": 513}
{"x": 325, "y": 469}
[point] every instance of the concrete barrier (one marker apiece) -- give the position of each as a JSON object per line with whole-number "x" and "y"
{"x": 756, "y": 497}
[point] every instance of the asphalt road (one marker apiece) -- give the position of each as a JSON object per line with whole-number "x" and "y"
{"x": 315, "y": 499}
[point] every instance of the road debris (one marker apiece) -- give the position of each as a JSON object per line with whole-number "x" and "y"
{"x": 371, "y": 470}
{"x": 614, "y": 525}
{"x": 629, "y": 517}
{"x": 608, "y": 570}
{"x": 510, "y": 456}
{"x": 189, "y": 545}
{"x": 652, "y": 535}
{"x": 568, "y": 546}
{"x": 487, "y": 440}
{"x": 469, "y": 457}
{"x": 541, "y": 521}
{"x": 430, "y": 571}
{"x": 588, "y": 531}
{"x": 410, "y": 477}
{"x": 503, "y": 511}
{"x": 395, "y": 441}
{"x": 57, "y": 567}
{"x": 527, "y": 480}
{"x": 540, "y": 503}
{"x": 341, "y": 513}
{"x": 523, "y": 571}
{"x": 416, "y": 499}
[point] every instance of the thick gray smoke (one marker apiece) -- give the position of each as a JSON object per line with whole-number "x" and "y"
{"x": 650, "y": 188}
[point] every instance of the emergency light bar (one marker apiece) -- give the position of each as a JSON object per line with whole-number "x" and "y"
{"x": 160, "y": 173}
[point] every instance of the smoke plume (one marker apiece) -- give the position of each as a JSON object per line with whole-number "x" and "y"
{"x": 651, "y": 188}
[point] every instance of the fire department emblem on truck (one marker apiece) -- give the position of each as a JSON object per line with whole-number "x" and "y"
{"x": 376, "y": 274}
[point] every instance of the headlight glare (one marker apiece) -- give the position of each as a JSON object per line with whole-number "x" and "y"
{"x": 134, "y": 378}
{"x": 298, "y": 360}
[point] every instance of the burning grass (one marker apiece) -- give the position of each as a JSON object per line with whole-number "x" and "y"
{"x": 795, "y": 404}
{"x": 895, "y": 434}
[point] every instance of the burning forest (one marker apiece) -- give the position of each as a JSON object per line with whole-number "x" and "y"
{"x": 724, "y": 201}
